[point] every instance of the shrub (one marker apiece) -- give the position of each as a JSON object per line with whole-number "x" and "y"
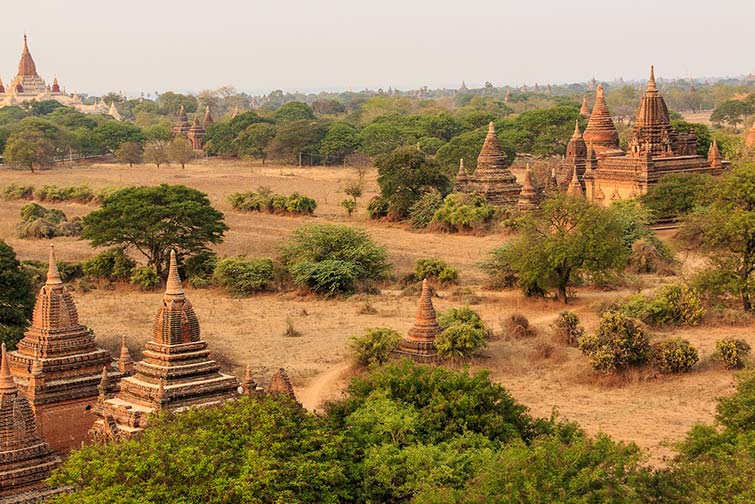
{"x": 349, "y": 205}
{"x": 422, "y": 211}
{"x": 265, "y": 201}
{"x": 199, "y": 268}
{"x": 732, "y": 352}
{"x": 650, "y": 256}
{"x": 377, "y": 208}
{"x": 241, "y": 276}
{"x": 374, "y": 347}
{"x": 618, "y": 344}
{"x": 671, "y": 305}
{"x": 568, "y": 330}
{"x": 145, "y": 277}
{"x": 15, "y": 192}
{"x": 463, "y": 213}
{"x": 674, "y": 356}
{"x": 437, "y": 270}
{"x": 348, "y": 257}
{"x": 463, "y": 333}
{"x": 112, "y": 264}
{"x": 32, "y": 212}
{"x": 39, "y": 222}
{"x": 519, "y": 326}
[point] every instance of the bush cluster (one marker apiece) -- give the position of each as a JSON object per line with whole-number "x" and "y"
{"x": 671, "y": 305}
{"x": 567, "y": 329}
{"x": 650, "y": 255}
{"x": 732, "y": 352}
{"x": 618, "y": 344}
{"x": 145, "y": 277}
{"x": 674, "y": 356}
{"x": 112, "y": 265}
{"x": 423, "y": 210}
{"x": 463, "y": 333}
{"x": 39, "y": 222}
{"x": 56, "y": 194}
{"x": 436, "y": 270}
{"x": 241, "y": 276}
{"x": 374, "y": 347}
{"x": 463, "y": 213}
{"x": 264, "y": 200}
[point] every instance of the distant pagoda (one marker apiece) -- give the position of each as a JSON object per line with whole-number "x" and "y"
{"x": 461, "y": 184}
{"x": 176, "y": 373}
{"x": 57, "y": 365}
{"x": 25, "y": 459}
{"x": 196, "y": 135}
{"x": 419, "y": 343}
{"x": 182, "y": 125}
{"x": 528, "y": 195}
{"x": 492, "y": 178}
{"x": 584, "y": 111}
{"x": 601, "y": 131}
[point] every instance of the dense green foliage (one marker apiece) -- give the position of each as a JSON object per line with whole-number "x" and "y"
{"x": 16, "y": 297}
{"x": 241, "y": 276}
{"x": 264, "y": 200}
{"x": 154, "y": 220}
{"x": 674, "y": 356}
{"x": 112, "y": 264}
{"x": 463, "y": 213}
{"x": 677, "y": 194}
{"x": 39, "y": 222}
{"x": 732, "y": 352}
{"x": 463, "y": 333}
{"x": 333, "y": 259}
{"x": 435, "y": 269}
{"x": 374, "y": 347}
{"x": 618, "y": 344}
{"x": 670, "y": 305}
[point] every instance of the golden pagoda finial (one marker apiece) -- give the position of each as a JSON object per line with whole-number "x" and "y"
{"x": 53, "y": 275}
{"x": 7, "y": 384}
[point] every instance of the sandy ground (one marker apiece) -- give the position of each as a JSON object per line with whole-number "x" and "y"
{"x": 648, "y": 410}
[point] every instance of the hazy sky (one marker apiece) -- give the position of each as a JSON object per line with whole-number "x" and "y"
{"x": 303, "y": 45}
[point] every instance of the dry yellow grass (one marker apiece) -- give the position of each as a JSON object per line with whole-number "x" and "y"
{"x": 251, "y": 330}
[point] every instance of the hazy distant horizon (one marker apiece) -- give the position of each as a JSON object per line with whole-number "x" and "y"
{"x": 336, "y": 45}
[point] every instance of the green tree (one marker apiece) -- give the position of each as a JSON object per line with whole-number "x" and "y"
{"x": 254, "y": 141}
{"x": 129, "y": 152}
{"x": 156, "y": 152}
{"x": 725, "y": 229}
{"x": 16, "y": 297}
{"x": 154, "y": 220}
{"x": 677, "y": 194}
{"x": 341, "y": 140}
{"x": 404, "y": 176}
{"x": 731, "y": 112}
{"x": 180, "y": 151}
{"x": 382, "y": 138}
{"x": 294, "y": 111}
{"x": 170, "y": 103}
{"x": 295, "y": 138}
{"x": 28, "y": 149}
{"x": 567, "y": 238}
{"x": 161, "y": 132}
{"x": 111, "y": 134}
{"x": 219, "y": 140}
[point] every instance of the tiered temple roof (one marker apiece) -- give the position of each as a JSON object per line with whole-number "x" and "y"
{"x": 175, "y": 374}
{"x": 601, "y": 131}
{"x": 528, "y": 195}
{"x": 652, "y": 127}
{"x": 419, "y": 344}
{"x": 25, "y": 459}
{"x": 182, "y": 126}
{"x": 492, "y": 178}
{"x": 196, "y": 135}
{"x": 57, "y": 364}
{"x": 207, "y": 118}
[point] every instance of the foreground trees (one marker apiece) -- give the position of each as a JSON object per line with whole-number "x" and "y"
{"x": 28, "y": 149}
{"x": 16, "y": 297}
{"x": 154, "y": 220}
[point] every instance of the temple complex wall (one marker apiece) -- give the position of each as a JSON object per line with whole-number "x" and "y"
{"x": 65, "y": 426}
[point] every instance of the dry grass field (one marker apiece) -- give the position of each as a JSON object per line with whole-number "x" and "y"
{"x": 648, "y": 410}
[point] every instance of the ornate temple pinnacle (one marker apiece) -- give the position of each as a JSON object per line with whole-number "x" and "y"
{"x": 173, "y": 286}
{"x": 53, "y": 275}
{"x": 7, "y": 384}
{"x": 491, "y": 127}
{"x": 576, "y": 128}
{"x": 651, "y": 81}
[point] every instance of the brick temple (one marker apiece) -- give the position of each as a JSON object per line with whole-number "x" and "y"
{"x": 492, "y": 178}
{"x": 176, "y": 373}
{"x": 419, "y": 343}
{"x": 193, "y": 131}
{"x": 25, "y": 458}
{"x": 57, "y": 366}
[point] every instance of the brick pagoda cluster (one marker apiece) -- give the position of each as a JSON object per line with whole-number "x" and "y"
{"x": 419, "y": 343}
{"x": 194, "y": 131}
{"x": 176, "y": 373}
{"x": 25, "y": 458}
{"x": 57, "y": 366}
{"x": 492, "y": 178}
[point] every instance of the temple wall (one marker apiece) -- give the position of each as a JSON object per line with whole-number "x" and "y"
{"x": 66, "y": 425}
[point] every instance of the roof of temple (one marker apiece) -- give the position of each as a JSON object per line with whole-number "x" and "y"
{"x": 26, "y": 66}
{"x": 652, "y": 126}
{"x": 601, "y": 130}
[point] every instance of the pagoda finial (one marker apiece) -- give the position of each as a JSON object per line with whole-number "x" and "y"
{"x": 104, "y": 382}
{"x": 599, "y": 91}
{"x": 576, "y": 128}
{"x": 651, "y": 81}
{"x": 173, "y": 286}
{"x": 491, "y": 127}
{"x": 7, "y": 384}
{"x": 53, "y": 275}
{"x": 125, "y": 363}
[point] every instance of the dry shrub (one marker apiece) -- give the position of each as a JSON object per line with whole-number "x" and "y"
{"x": 291, "y": 331}
{"x": 543, "y": 348}
{"x": 518, "y": 326}
{"x": 567, "y": 330}
{"x": 728, "y": 317}
{"x": 465, "y": 295}
{"x": 367, "y": 308}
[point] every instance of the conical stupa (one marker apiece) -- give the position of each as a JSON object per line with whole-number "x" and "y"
{"x": 419, "y": 343}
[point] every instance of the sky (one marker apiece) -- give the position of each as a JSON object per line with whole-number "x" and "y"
{"x": 309, "y": 45}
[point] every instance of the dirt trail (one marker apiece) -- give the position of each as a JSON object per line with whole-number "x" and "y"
{"x": 327, "y": 385}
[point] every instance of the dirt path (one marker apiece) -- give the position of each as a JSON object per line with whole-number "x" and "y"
{"x": 327, "y": 385}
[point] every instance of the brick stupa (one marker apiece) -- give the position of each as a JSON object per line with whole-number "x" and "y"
{"x": 655, "y": 150}
{"x": 207, "y": 118}
{"x": 182, "y": 125}
{"x": 25, "y": 458}
{"x": 601, "y": 131}
{"x": 57, "y": 365}
{"x": 461, "y": 184}
{"x": 492, "y": 178}
{"x": 176, "y": 373}
{"x": 196, "y": 135}
{"x": 585, "y": 109}
{"x": 419, "y": 343}
{"x": 528, "y": 196}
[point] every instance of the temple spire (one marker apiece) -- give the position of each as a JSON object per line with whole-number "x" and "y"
{"x": 173, "y": 287}
{"x": 7, "y": 384}
{"x": 585, "y": 109}
{"x": 125, "y": 363}
{"x": 576, "y": 128}
{"x": 53, "y": 275}
{"x": 575, "y": 188}
{"x": 651, "y": 81}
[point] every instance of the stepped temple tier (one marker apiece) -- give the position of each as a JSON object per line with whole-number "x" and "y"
{"x": 25, "y": 459}
{"x": 604, "y": 173}
{"x": 492, "y": 178}
{"x": 176, "y": 373}
{"x": 57, "y": 366}
{"x": 419, "y": 343}
{"x": 27, "y": 85}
